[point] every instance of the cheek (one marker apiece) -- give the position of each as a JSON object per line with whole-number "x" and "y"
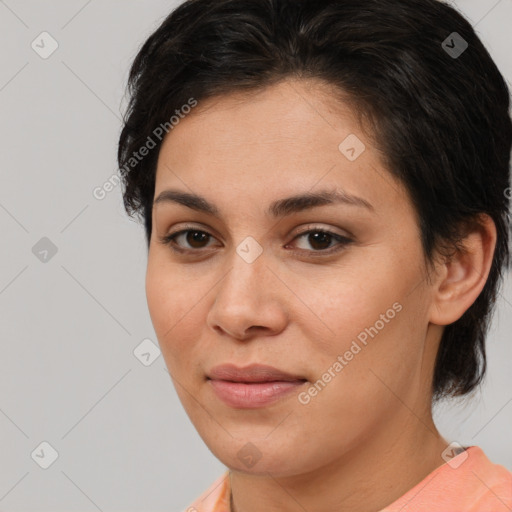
{"x": 173, "y": 303}
{"x": 342, "y": 306}
{"x": 370, "y": 315}
{"x": 378, "y": 351}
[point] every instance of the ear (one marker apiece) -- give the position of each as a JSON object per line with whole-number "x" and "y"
{"x": 460, "y": 279}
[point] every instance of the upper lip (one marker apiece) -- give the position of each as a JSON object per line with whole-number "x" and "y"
{"x": 251, "y": 373}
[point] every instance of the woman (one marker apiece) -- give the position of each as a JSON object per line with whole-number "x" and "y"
{"x": 323, "y": 185}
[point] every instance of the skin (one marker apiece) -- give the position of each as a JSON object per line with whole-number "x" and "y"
{"x": 368, "y": 436}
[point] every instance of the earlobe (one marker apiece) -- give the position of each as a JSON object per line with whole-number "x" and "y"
{"x": 464, "y": 274}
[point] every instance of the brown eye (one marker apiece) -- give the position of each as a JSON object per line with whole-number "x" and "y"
{"x": 320, "y": 240}
{"x": 194, "y": 238}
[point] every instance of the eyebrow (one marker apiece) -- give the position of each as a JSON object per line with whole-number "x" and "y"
{"x": 279, "y": 208}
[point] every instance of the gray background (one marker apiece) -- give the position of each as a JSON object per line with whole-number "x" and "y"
{"x": 70, "y": 324}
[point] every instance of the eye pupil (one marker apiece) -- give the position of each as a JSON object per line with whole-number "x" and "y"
{"x": 192, "y": 238}
{"x": 320, "y": 237}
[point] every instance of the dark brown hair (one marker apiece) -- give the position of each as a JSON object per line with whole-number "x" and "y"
{"x": 439, "y": 112}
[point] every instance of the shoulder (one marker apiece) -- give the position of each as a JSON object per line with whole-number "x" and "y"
{"x": 494, "y": 483}
{"x": 469, "y": 482}
{"x": 215, "y": 498}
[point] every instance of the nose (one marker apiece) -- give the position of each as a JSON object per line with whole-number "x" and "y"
{"x": 249, "y": 300}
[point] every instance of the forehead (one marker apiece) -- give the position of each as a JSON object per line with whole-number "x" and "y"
{"x": 290, "y": 137}
{"x": 281, "y": 112}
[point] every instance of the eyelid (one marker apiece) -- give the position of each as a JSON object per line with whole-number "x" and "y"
{"x": 342, "y": 240}
{"x": 316, "y": 227}
{"x": 169, "y": 238}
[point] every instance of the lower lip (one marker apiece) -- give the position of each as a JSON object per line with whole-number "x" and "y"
{"x": 254, "y": 394}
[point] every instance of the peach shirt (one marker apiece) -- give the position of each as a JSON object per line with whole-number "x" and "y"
{"x": 469, "y": 482}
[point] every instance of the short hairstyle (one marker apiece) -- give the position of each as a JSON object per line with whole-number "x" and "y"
{"x": 440, "y": 119}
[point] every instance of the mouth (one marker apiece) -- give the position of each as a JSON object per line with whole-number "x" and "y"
{"x": 252, "y": 386}
{"x": 251, "y": 374}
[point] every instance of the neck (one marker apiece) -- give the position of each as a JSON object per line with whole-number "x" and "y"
{"x": 366, "y": 478}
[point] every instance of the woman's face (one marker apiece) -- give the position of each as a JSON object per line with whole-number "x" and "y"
{"x": 260, "y": 282}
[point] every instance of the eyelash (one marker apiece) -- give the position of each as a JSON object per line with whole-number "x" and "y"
{"x": 343, "y": 241}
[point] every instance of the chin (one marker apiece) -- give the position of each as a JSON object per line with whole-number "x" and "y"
{"x": 257, "y": 456}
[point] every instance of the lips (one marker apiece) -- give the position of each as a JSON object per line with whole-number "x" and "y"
{"x": 252, "y": 373}
{"x": 253, "y": 386}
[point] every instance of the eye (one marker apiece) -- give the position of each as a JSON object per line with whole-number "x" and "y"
{"x": 319, "y": 239}
{"x": 194, "y": 237}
